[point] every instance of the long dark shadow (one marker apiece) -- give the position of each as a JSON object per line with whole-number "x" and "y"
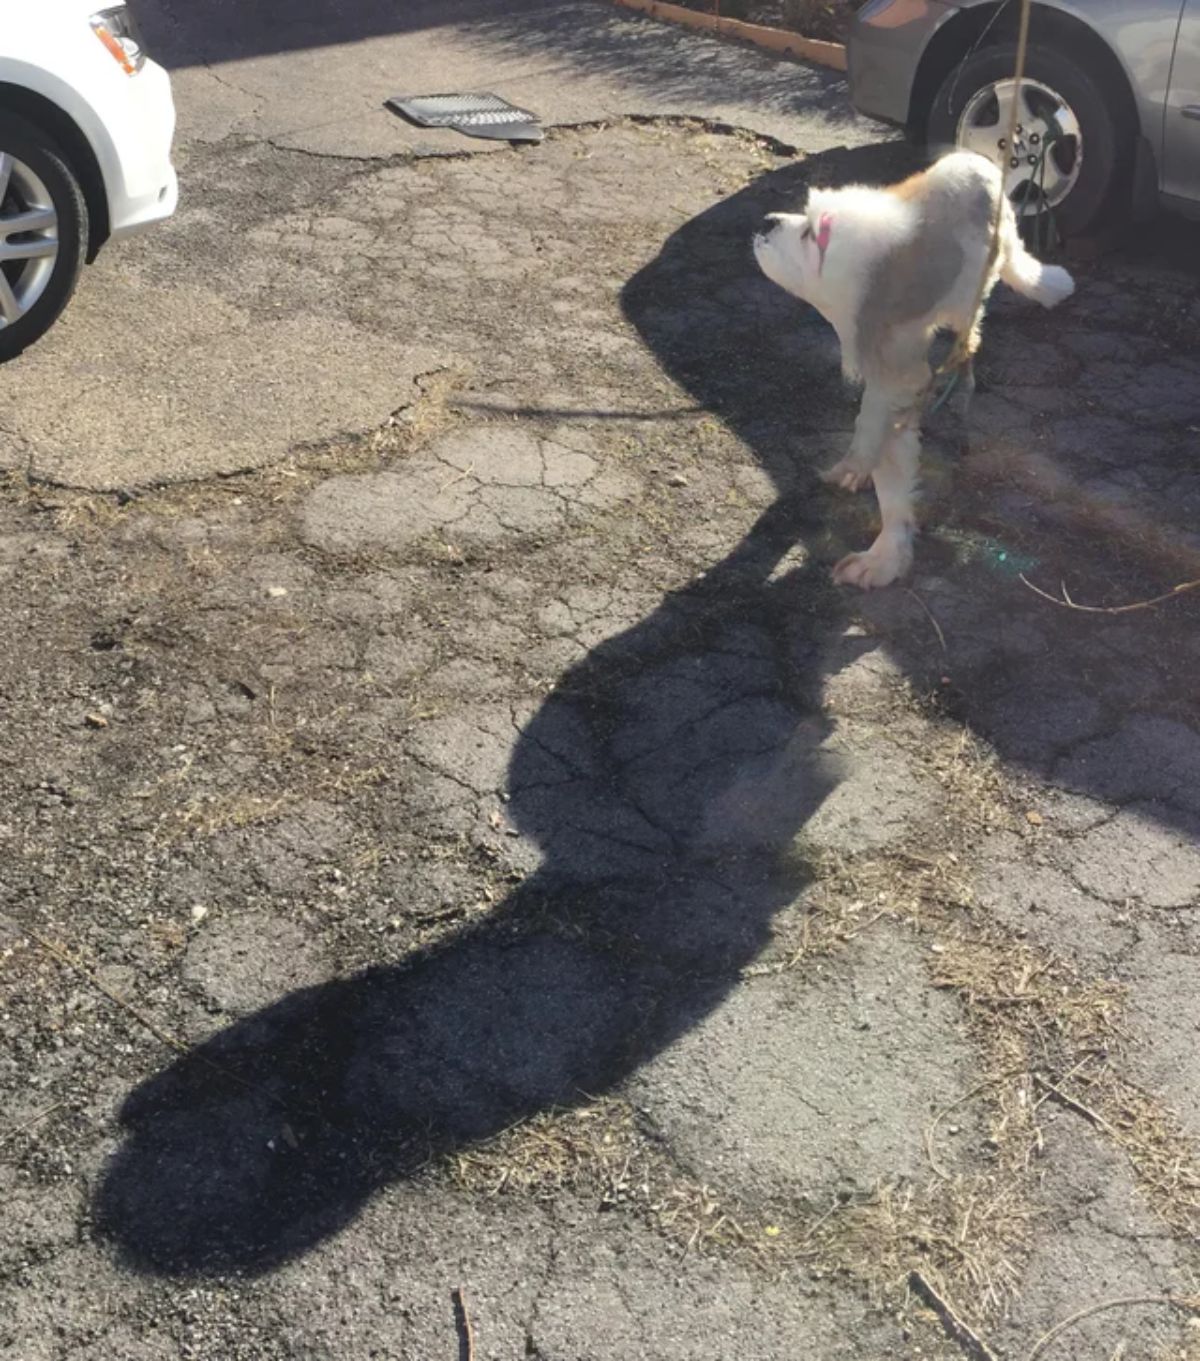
{"x": 187, "y": 33}
{"x": 587, "y": 37}
{"x": 664, "y": 781}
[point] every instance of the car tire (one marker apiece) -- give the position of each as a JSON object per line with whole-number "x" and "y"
{"x": 1100, "y": 192}
{"x": 38, "y": 171}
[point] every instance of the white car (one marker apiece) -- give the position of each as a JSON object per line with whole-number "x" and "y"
{"x": 86, "y": 125}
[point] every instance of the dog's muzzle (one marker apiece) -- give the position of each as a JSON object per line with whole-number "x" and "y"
{"x": 763, "y": 236}
{"x": 766, "y": 227}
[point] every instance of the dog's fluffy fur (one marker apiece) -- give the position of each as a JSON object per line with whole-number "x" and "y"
{"x": 888, "y": 268}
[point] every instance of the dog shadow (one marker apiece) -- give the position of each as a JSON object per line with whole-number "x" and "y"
{"x": 664, "y": 781}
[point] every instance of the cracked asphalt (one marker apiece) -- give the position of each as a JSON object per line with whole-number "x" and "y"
{"x": 455, "y": 836}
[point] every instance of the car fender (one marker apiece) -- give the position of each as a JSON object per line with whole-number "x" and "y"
{"x": 66, "y": 98}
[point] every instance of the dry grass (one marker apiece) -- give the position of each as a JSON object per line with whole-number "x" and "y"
{"x": 1164, "y": 1158}
{"x": 966, "y": 1232}
{"x": 601, "y": 1149}
{"x": 1189, "y": 1351}
{"x": 208, "y": 815}
{"x": 594, "y": 1145}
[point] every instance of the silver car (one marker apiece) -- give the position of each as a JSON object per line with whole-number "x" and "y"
{"x": 1109, "y": 117}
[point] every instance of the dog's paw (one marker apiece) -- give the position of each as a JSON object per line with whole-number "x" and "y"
{"x": 848, "y": 475}
{"x": 875, "y": 568}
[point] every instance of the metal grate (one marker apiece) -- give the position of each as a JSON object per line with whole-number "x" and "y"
{"x": 476, "y": 115}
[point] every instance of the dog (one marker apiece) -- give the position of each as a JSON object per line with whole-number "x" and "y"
{"x": 888, "y": 269}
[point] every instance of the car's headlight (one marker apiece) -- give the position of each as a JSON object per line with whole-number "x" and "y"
{"x": 118, "y": 31}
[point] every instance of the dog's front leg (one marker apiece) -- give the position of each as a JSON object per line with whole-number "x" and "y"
{"x": 890, "y": 556}
{"x": 876, "y": 416}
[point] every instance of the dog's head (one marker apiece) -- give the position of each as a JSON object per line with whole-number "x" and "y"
{"x": 791, "y": 247}
{"x": 828, "y": 253}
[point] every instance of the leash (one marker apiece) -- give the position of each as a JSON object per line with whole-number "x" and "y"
{"x": 943, "y": 396}
{"x": 959, "y": 356}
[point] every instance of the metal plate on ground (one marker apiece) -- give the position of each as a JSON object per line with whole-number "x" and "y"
{"x": 476, "y": 115}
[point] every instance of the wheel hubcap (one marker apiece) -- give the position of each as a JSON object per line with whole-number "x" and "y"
{"x": 28, "y": 238}
{"x": 1042, "y": 164}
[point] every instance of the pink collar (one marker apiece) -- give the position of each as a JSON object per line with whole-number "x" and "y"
{"x": 824, "y": 232}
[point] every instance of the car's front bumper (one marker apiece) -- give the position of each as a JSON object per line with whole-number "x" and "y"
{"x": 145, "y": 188}
{"x": 146, "y": 209}
{"x": 887, "y": 41}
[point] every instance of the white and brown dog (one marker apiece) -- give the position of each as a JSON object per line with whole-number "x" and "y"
{"x": 888, "y": 268}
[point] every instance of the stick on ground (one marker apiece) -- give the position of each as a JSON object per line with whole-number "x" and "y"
{"x": 12, "y": 1131}
{"x": 957, "y": 1329}
{"x": 1188, "y": 1302}
{"x": 1066, "y": 603}
{"x": 1073, "y": 1103}
{"x": 163, "y": 1036}
{"x": 937, "y": 628}
{"x": 466, "y": 1334}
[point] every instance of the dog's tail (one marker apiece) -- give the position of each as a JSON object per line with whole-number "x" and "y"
{"x": 1047, "y": 284}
